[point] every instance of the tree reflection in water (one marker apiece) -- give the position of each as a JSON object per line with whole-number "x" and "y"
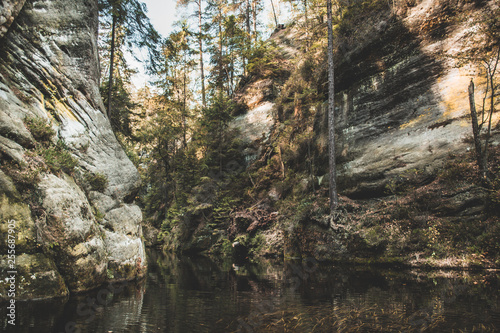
{"x": 197, "y": 294}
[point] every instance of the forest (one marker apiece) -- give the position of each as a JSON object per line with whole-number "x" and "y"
{"x": 288, "y": 166}
{"x": 206, "y": 184}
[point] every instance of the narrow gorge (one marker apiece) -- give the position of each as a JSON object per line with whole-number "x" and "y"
{"x": 245, "y": 168}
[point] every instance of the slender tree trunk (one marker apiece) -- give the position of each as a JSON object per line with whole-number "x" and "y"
{"x": 491, "y": 74}
{"x": 274, "y": 12}
{"x": 281, "y": 163}
{"x": 475, "y": 127}
{"x": 200, "y": 42}
{"x": 249, "y": 36}
{"x": 488, "y": 131}
{"x": 184, "y": 106}
{"x": 307, "y": 25}
{"x": 247, "y": 17}
{"x": 334, "y": 201}
{"x": 254, "y": 14}
{"x": 111, "y": 65}
{"x": 231, "y": 76}
{"x": 221, "y": 70}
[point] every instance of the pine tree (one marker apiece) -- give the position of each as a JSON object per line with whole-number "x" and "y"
{"x": 201, "y": 38}
{"x": 175, "y": 76}
{"x": 331, "y": 114}
{"x": 130, "y": 17}
{"x": 118, "y": 98}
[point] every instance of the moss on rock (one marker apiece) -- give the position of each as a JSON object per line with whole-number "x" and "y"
{"x": 37, "y": 278}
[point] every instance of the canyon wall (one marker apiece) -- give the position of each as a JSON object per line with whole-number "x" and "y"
{"x": 401, "y": 89}
{"x": 70, "y": 233}
{"x": 403, "y": 101}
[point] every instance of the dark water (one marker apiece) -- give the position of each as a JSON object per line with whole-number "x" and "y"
{"x": 184, "y": 294}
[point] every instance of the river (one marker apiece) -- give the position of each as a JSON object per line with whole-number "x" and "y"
{"x": 197, "y": 294}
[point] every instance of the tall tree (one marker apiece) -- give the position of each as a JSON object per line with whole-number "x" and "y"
{"x": 129, "y": 15}
{"x": 218, "y": 77}
{"x": 175, "y": 76}
{"x": 331, "y": 114}
{"x": 201, "y": 37}
{"x": 235, "y": 44}
{"x": 255, "y": 10}
{"x": 119, "y": 97}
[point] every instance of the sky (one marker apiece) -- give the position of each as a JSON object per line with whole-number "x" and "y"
{"x": 163, "y": 13}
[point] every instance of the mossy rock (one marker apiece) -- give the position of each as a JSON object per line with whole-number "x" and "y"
{"x": 37, "y": 278}
{"x": 124, "y": 272}
{"x": 24, "y": 230}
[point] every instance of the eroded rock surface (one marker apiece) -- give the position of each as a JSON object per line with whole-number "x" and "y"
{"x": 402, "y": 101}
{"x": 49, "y": 70}
{"x": 8, "y": 12}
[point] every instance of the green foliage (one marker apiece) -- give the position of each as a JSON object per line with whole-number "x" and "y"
{"x": 131, "y": 17}
{"x": 99, "y": 216}
{"x": 109, "y": 274}
{"x": 40, "y": 129}
{"x": 97, "y": 181}
{"x": 122, "y": 106}
{"x": 223, "y": 207}
{"x": 264, "y": 61}
{"x": 58, "y": 158}
{"x": 303, "y": 90}
{"x": 170, "y": 221}
{"x": 212, "y": 134}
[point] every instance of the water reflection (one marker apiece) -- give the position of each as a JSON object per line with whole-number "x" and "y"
{"x": 184, "y": 294}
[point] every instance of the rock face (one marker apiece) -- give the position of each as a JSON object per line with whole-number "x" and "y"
{"x": 254, "y": 128}
{"x": 49, "y": 70}
{"x": 8, "y": 12}
{"x": 401, "y": 101}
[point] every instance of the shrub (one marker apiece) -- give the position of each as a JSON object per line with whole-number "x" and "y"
{"x": 97, "y": 181}
{"x": 40, "y": 129}
{"x": 58, "y": 158}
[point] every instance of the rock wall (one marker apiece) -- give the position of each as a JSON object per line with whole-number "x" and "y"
{"x": 402, "y": 101}
{"x": 69, "y": 235}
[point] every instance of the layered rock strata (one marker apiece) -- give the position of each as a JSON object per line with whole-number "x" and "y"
{"x": 69, "y": 235}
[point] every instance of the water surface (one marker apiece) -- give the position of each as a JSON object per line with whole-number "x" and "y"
{"x": 186, "y": 294}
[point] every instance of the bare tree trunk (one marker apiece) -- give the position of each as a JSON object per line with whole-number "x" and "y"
{"x": 231, "y": 74}
{"x": 184, "y": 105}
{"x": 491, "y": 73}
{"x": 475, "y": 127}
{"x": 307, "y": 25}
{"x": 220, "y": 83}
{"x": 247, "y": 17}
{"x": 274, "y": 13}
{"x": 254, "y": 14}
{"x": 334, "y": 200}
{"x": 111, "y": 65}
{"x": 281, "y": 163}
{"x": 200, "y": 42}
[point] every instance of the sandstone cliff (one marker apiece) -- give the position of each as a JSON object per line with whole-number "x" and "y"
{"x": 70, "y": 234}
{"x": 402, "y": 110}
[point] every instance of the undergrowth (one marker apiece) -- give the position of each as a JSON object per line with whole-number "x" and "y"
{"x": 45, "y": 155}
